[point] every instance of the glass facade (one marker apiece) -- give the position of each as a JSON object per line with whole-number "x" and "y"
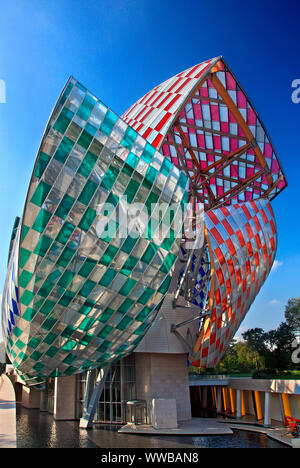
{"x": 93, "y": 255}
{"x": 119, "y": 387}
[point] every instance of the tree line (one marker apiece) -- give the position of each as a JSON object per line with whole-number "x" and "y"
{"x": 266, "y": 351}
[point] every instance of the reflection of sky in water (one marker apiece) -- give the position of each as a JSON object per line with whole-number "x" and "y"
{"x": 37, "y": 429}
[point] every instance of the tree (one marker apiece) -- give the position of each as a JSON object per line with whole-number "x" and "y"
{"x": 256, "y": 339}
{"x": 292, "y": 314}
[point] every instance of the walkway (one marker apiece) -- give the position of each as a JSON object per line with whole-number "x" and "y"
{"x": 196, "y": 426}
{"x": 8, "y": 437}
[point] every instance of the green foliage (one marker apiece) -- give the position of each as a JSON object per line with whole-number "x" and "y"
{"x": 292, "y": 314}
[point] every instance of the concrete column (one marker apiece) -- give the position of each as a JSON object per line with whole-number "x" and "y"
{"x": 267, "y": 413}
{"x": 64, "y": 397}
{"x": 44, "y": 399}
{"x": 238, "y": 404}
{"x": 30, "y": 397}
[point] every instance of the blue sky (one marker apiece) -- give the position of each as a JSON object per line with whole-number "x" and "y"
{"x": 120, "y": 49}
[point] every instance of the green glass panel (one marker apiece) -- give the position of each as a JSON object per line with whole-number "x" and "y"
{"x": 149, "y": 253}
{"x": 87, "y": 164}
{"x": 17, "y": 331}
{"x": 24, "y": 278}
{"x": 107, "y": 277}
{"x": 169, "y": 240}
{"x": 141, "y": 329}
{"x": 166, "y": 167}
{"x": 65, "y": 257}
{"x": 132, "y": 160}
{"x": 85, "y": 139}
{"x": 182, "y": 180}
{"x": 69, "y": 359}
{"x": 64, "y": 149}
{"x": 108, "y": 122}
{"x": 131, "y": 190}
{"x": 25, "y": 230}
{"x": 43, "y": 245}
{"x": 144, "y": 314}
{"x": 124, "y": 323}
{"x": 38, "y": 366}
{"x": 127, "y": 170}
{"x": 63, "y": 120}
{"x": 47, "y": 307}
{"x": 108, "y": 255}
{"x": 168, "y": 262}
{"x": 64, "y": 206}
{"x": 36, "y": 355}
{"x": 148, "y": 293}
{"x": 86, "y": 107}
{"x": 66, "y": 93}
{"x": 40, "y": 193}
{"x": 70, "y": 370}
{"x": 87, "y": 288}
{"x": 105, "y": 331}
{"x": 126, "y": 306}
{"x": 53, "y": 277}
{"x": 86, "y": 324}
{"x": 26, "y": 297}
{"x": 23, "y": 356}
{"x": 66, "y": 279}
{"x": 49, "y": 323}
{"x": 109, "y": 178}
{"x": 87, "y": 219}
{"x": 65, "y": 232}
{"x": 85, "y": 309}
{"x": 87, "y": 267}
{"x": 129, "y": 265}
{"x": 29, "y": 314}
{"x": 129, "y": 137}
{"x": 34, "y": 342}
{"x": 129, "y": 244}
{"x": 113, "y": 199}
{"x": 148, "y": 153}
{"x": 66, "y": 298}
{"x": 68, "y": 346}
{"x": 127, "y": 287}
{"x": 24, "y": 255}
{"x": 46, "y": 288}
{"x": 165, "y": 285}
{"x": 41, "y": 220}
{"x": 87, "y": 192}
{"x": 86, "y": 339}
{"x": 151, "y": 174}
{"x": 50, "y": 338}
{"x": 81, "y": 87}
{"x": 41, "y": 164}
{"x": 105, "y": 345}
{"x": 105, "y": 316}
{"x": 52, "y": 351}
{"x": 20, "y": 345}
{"x": 68, "y": 331}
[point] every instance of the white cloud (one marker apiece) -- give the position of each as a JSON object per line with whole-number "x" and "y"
{"x": 276, "y": 265}
{"x": 274, "y": 302}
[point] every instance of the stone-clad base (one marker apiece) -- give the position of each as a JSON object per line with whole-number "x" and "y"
{"x": 160, "y": 375}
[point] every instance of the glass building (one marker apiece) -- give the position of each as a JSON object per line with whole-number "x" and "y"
{"x": 170, "y": 202}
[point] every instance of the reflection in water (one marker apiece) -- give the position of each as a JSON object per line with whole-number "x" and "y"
{"x": 36, "y": 429}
